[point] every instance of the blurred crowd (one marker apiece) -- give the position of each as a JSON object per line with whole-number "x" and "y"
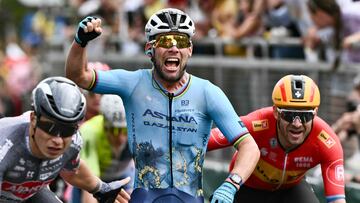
{"x": 316, "y": 23}
{"x": 327, "y": 30}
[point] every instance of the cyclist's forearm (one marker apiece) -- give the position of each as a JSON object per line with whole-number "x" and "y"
{"x": 83, "y": 178}
{"x": 76, "y": 66}
{"x": 87, "y": 197}
{"x": 247, "y": 158}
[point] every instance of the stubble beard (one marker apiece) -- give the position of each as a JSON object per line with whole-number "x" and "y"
{"x": 167, "y": 78}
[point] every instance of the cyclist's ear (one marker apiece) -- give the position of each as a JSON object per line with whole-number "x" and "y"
{"x": 191, "y": 50}
{"x": 316, "y": 110}
{"x": 275, "y": 112}
{"x": 149, "y": 51}
{"x": 32, "y": 119}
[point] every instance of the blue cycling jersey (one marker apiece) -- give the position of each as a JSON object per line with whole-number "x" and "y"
{"x": 168, "y": 132}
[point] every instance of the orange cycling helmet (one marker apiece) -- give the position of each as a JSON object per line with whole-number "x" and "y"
{"x": 296, "y": 91}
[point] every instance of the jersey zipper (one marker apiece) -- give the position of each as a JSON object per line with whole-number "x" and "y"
{"x": 283, "y": 172}
{"x": 171, "y": 96}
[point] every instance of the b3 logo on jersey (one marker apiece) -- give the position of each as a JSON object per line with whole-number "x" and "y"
{"x": 185, "y": 102}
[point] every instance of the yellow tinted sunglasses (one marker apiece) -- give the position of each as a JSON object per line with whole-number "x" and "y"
{"x": 167, "y": 41}
{"x": 115, "y": 131}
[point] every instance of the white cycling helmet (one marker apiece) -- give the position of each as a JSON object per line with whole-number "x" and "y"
{"x": 169, "y": 20}
{"x": 112, "y": 107}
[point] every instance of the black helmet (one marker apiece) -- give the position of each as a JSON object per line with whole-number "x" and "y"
{"x": 59, "y": 99}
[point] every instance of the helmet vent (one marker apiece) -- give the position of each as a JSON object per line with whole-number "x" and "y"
{"x": 153, "y": 23}
{"x": 182, "y": 19}
{"x": 163, "y": 27}
{"x": 162, "y": 17}
{"x": 52, "y": 103}
{"x": 298, "y": 84}
{"x": 173, "y": 18}
{"x": 79, "y": 109}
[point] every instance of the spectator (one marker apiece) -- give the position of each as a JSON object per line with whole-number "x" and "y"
{"x": 105, "y": 147}
{"x": 237, "y": 20}
{"x": 347, "y": 127}
{"x": 345, "y": 24}
{"x": 280, "y": 23}
{"x": 202, "y": 18}
{"x": 249, "y": 18}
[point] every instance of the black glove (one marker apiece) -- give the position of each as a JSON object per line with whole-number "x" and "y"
{"x": 107, "y": 192}
{"x": 81, "y": 37}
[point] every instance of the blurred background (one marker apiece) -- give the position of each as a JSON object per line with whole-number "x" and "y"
{"x": 243, "y": 46}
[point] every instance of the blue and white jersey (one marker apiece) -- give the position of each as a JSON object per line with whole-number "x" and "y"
{"x": 168, "y": 133}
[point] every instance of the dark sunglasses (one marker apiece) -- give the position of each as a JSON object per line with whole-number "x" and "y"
{"x": 291, "y": 115}
{"x": 54, "y": 129}
{"x": 116, "y": 131}
{"x": 167, "y": 41}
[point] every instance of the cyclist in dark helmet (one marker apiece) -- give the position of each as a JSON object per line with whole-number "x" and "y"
{"x": 38, "y": 145}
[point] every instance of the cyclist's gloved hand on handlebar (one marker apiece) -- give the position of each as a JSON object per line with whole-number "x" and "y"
{"x": 224, "y": 194}
{"x": 86, "y": 33}
{"x": 108, "y": 192}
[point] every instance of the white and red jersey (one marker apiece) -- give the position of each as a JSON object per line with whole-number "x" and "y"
{"x": 278, "y": 168}
{"x": 21, "y": 174}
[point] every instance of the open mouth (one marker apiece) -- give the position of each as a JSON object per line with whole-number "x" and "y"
{"x": 172, "y": 62}
{"x": 54, "y": 150}
{"x": 296, "y": 133}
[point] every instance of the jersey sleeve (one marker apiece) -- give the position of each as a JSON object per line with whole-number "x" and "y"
{"x": 120, "y": 82}
{"x": 224, "y": 115}
{"x": 332, "y": 166}
{"x": 217, "y": 140}
{"x": 256, "y": 122}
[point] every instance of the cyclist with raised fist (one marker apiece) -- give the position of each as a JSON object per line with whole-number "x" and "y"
{"x": 169, "y": 112}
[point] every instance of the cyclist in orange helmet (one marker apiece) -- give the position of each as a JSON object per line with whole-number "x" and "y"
{"x": 292, "y": 139}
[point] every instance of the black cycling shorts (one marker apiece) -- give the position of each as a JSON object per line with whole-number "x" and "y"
{"x": 44, "y": 195}
{"x": 300, "y": 193}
